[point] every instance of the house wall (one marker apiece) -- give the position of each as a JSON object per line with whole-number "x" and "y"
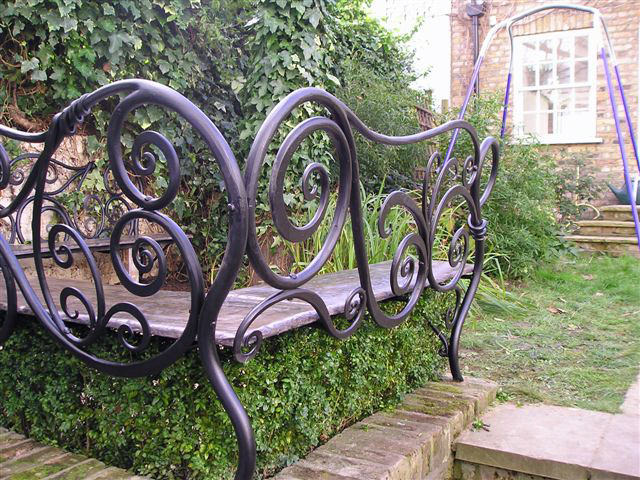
{"x": 622, "y": 18}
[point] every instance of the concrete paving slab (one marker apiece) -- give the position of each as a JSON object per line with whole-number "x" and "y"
{"x": 555, "y": 442}
{"x": 631, "y": 405}
{"x": 619, "y": 450}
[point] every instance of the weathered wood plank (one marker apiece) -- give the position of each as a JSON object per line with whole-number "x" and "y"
{"x": 98, "y": 244}
{"x": 168, "y": 311}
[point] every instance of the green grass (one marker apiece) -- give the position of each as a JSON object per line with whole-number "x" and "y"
{"x": 574, "y": 339}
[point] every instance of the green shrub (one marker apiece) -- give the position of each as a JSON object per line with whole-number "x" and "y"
{"x": 523, "y": 230}
{"x": 54, "y": 51}
{"x": 576, "y": 187}
{"x": 302, "y": 388}
{"x": 388, "y": 106}
{"x": 522, "y": 208}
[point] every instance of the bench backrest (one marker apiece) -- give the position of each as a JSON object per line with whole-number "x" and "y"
{"x": 91, "y": 210}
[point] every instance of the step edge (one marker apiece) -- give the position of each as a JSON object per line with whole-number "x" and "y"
{"x": 616, "y": 208}
{"x": 463, "y": 450}
{"x": 579, "y": 471}
{"x": 605, "y": 223}
{"x": 601, "y": 239}
{"x": 56, "y": 475}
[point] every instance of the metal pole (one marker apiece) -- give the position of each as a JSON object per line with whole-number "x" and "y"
{"x": 476, "y": 10}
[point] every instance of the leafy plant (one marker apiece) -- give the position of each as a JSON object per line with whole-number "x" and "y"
{"x": 235, "y": 60}
{"x": 575, "y": 187}
{"x": 387, "y": 105}
{"x": 522, "y": 208}
{"x": 302, "y": 388}
{"x": 379, "y": 249}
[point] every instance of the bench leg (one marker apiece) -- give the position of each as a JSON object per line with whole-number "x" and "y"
{"x": 231, "y": 403}
{"x": 479, "y": 234}
{"x": 7, "y": 323}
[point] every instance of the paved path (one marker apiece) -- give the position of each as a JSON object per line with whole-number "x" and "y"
{"x": 555, "y": 442}
{"x": 24, "y": 459}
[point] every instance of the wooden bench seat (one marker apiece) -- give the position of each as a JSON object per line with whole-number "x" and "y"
{"x": 167, "y": 318}
{"x": 95, "y": 244}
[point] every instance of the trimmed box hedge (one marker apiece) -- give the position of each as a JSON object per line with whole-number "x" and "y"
{"x": 302, "y": 388}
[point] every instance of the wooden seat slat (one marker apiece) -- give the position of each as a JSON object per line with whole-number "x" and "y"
{"x": 95, "y": 244}
{"x": 168, "y": 311}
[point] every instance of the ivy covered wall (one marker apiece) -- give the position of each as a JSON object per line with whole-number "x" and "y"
{"x": 234, "y": 59}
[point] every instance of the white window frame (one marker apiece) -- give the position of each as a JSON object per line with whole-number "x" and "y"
{"x": 588, "y": 136}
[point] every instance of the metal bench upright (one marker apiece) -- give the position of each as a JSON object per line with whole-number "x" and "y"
{"x": 77, "y": 313}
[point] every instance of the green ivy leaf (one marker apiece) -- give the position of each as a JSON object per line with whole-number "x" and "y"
{"x": 18, "y": 26}
{"x": 164, "y": 66}
{"x": 28, "y": 65}
{"x": 58, "y": 74}
{"x": 69, "y": 24}
{"x": 334, "y": 79}
{"x": 115, "y": 43}
{"x": 89, "y": 24}
{"x": 314, "y": 17}
{"x": 38, "y": 75}
{"x": 161, "y": 183}
{"x": 108, "y": 9}
{"x": 288, "y": 198}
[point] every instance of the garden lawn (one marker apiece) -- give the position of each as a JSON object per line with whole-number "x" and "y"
{"x": 574, "y": 342}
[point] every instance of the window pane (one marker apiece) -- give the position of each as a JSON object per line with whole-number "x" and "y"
{"x": 546, "y": 99}
{"x": 563, "y": 122}
{"x": 582, "y": 71}
{"x": 529, "y": 75}
{"x": 529, "y": 102}
{"x": 582, "y": 46}
{"x": 564, "y": 48}
{"x": 530, "y": 123}
{"x": 546, "y": 123}
{"x": 529, "y": 51}
{"x": 564, "y": 99}
{"x": 582, "y": 97}
{"x": 563, "y": 70}
{"x": 546, "y": 49}
{"x": 546, "y": 71}
{"x": 578, "y": 123}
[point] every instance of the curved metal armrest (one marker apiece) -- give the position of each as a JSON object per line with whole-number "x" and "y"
{"x": 449, "y": 182}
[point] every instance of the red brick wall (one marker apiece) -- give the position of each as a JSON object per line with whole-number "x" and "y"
{"x": 622, "y": 18}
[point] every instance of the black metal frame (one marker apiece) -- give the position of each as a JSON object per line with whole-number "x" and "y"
{"x": 93, "y": 218}
{"x": 409, "y": 273}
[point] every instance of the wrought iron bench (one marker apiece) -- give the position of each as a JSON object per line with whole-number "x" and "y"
{"x": 217, "y": 315}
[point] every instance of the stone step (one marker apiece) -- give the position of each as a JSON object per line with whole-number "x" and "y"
{"x": 539, "y": 442}
{"x": 609, "y": 228}
{"x": 617, "y": 212}
{"x": 80, "y": 470}
{"x": 24, "y": 459}
{"x": 606, "y": 244}
{"x": 412, "y": 442}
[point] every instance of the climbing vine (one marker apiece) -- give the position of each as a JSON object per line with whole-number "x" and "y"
{"x": 234, "y": 59}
